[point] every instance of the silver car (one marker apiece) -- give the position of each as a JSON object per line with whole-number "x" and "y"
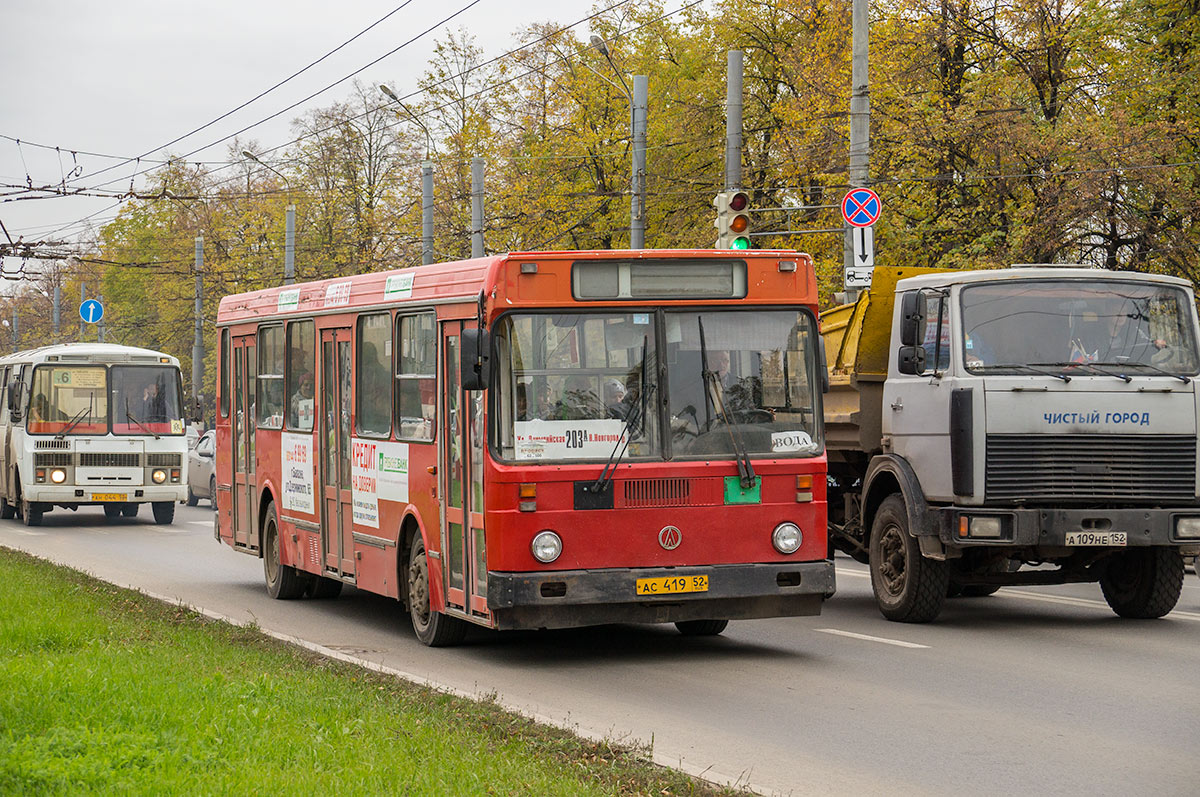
{"x": 202, "y": 481}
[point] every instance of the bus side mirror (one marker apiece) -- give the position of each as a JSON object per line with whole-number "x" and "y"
{"x": 475, "y": 364}
{"x": 913, "y": 309}
{"x": 14, "y": 398}
{"x": 912, "y": 360}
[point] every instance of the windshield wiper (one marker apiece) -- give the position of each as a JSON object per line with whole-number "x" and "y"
{"x": 1180, "y": 377}
{"x": 1021, "y": 366}
{"x": 141, "y": 425}
{"x": 78, "y": 417}
{"x": 632, "y": 426}
{"x": 1092, "y": 366}
{"x": 710, "y": 379}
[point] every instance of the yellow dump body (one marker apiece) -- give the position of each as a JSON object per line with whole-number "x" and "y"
{"x": 858, "y": 340}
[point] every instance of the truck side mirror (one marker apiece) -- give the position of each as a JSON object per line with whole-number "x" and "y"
{"x": 475, "y": 365}
{"x": 912, "y": 360}
{"x": 914, "y": 307}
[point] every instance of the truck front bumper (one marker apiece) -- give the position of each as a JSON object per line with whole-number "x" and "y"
{"x": 572, "y": 598}
{"x": 1026, "y": 527}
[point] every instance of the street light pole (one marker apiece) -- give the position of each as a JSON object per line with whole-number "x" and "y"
{"x": 638, "y": 110}
{"x": 426, "y": 178}
{"x": 289, "y": 239}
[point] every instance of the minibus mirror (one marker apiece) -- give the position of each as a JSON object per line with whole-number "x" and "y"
{"x": 14, "y": 398}
{"x": 912, "y": 360}
{"x": 475, "y": 363}
{"x": 913, "y": 309}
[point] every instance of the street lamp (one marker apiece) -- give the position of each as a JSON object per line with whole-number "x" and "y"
{"x": 426, "y": 178}
{"x": 637, "y": 124}
{"x": 289, "y": 240}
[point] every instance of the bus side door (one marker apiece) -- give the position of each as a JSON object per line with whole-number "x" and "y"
{"x": 337, "y": 501}
{"x": 245, "y": 487}
{"x": 461, "y": 447}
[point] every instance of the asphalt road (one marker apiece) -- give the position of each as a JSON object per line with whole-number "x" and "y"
{"x": 1038, "y": 690}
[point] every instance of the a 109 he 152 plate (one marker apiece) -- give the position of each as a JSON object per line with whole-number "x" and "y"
{"x": 1097, "y": 538}
{"x": 672, "y": 585}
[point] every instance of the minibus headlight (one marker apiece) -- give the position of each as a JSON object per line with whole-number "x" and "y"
{"x": 159, "y": 476}
{"x": 546, "y": 546}
{"x": 787, "y": 538}
{"x": 1187, "y": 528}
{"x": 58, "y": 475}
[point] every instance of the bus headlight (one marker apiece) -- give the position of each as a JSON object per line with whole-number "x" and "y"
{"x": 546, "y": 546}
{"x": 58, "y": 475}
{"x": 159, "y": 476}
{"x": 787, "y": 538}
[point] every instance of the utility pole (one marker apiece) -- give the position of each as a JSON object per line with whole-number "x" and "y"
{"x": 638, "y": 111}
{"x": 82, "y": 299}
{"x": 860, "y": 124}
{"x": 16, "y": 335}
{"x": 289, "y": 249}
{"x": 477, "y": 165}
{"x": 426, "y": 212}
{"x": 733, "y": 120}
{"x": 100, "y": 325}
{"x": 57, "y": 304}
{"x": 198, "y": 340}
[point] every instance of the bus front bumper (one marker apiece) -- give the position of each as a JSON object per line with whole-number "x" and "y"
{"x": 572, "y": 598}
{"x": 71, "y": 494}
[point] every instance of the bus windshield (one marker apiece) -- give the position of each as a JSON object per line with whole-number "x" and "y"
{"x": 1140, "y": 327}
{"x": 69, "y": 400}
{"x": 571, "y": 386}
{"x": 146, "y": 400}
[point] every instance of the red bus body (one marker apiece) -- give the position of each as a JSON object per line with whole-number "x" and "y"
{"x": 475, "y": 512}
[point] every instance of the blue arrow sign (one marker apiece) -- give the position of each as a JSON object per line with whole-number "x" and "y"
{"x": 91, "y": 311}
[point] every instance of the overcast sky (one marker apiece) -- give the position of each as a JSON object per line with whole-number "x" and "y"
{"x": 124, "y": 77}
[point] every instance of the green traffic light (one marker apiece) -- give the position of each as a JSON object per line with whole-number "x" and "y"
{"x": 740, "y": 243}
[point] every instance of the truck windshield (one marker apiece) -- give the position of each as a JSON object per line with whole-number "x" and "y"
{"x": 146, "y": 400}
{"x": 1141, "y": 327}
{"x": 567, "y": 383}
{"x": 69, "y": 400}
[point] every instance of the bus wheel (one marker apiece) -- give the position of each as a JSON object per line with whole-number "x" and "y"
{"x": 1143, "y": 583}
{"x": 31, "y": 513}
{"x": 433, "y": 628}
{"x": 701, "y": 627}
{"x": 130, "y": 509}
{"x": 908, "y": 587}
{"x": 112, "y": 511}
{"x": 283, "y": 582}
{"x": 7, "y": 510}
{"x": 164, "y": 512}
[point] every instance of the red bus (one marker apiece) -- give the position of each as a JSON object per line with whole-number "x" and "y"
{"x": 534, "y": 440}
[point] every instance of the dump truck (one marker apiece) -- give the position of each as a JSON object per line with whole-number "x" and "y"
{"x": 1021, "y": 426}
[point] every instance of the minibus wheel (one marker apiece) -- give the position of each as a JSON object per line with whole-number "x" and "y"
{"x": 701, "y": 627}
{"x": 112, "y": 511}
{"x": 432, "y": 628}
{"x": 31, "y": 513}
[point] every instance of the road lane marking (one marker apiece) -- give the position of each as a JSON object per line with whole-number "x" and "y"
{"x": 27, "y": 533}
{"x": 200, "y": 523}
{"x": 897, "y": 642}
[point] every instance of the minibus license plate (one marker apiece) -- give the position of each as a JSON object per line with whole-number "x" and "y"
{"x": 1096, "y": 538}
{"x": 109, "y": 496}
{"x": 672, "y": 585}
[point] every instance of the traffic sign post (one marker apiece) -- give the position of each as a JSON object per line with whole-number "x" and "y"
{"x": 860, "y": 209}
{"x": 91, "y": 311}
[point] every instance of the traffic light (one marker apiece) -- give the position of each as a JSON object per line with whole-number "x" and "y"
{"x": 733, "y": 220}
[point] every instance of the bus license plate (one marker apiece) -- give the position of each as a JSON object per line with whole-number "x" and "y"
{"x": 672, "y": 585}
{"x": 109, "y": 496}
{"x": 1096, "y": 538}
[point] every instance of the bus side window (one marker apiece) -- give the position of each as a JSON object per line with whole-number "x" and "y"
{"x": 301, "y": 353}
{"x": 416, "y": 376}
{"x": 270, "y": 377}
{"x": 374, "y": 385}
{"x": 223, "y": 407}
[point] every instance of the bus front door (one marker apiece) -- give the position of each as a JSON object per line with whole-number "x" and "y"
{"x": 464, "y": 552}
{"x": 337, "y": 505}
{"x": 245, "y": 487}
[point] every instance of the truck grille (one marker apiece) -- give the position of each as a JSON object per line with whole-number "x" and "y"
{"x": 114, "y": 460}
{"x": 1142, "y": 468}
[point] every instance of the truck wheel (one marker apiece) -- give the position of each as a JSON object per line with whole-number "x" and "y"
{"x": 433, "y": 628}
{"x": 164, "y": 512}
{"x": 908, "y": 587}
{"x": 701, "y": 627}
{"x": 283, "y": 582}
{"x": 1143, "y": 583}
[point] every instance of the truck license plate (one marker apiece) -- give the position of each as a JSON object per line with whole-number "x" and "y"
{"x": 1096, "y": 538}
{"x": 108, "y": 496}
{"x": 672, "y": 585}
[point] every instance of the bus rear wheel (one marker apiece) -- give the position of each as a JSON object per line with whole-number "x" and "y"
{"x": 432, "y": 628}
{"x": 701, "y": 627}
{"x": 164, "y": 512}
{"x": 283, "y": 582}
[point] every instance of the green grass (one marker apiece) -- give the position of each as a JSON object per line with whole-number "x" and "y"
{"x": 104, "y": 690}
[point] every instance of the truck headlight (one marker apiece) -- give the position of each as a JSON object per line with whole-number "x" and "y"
{"x": 58, "y": 475}
{"x": 159, "y": 476}
{"x": 1187, "y": 528}
{"x": 982, "y": 527}
{"x": 546, "y": 546}
{"x": 787, "y": 538}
